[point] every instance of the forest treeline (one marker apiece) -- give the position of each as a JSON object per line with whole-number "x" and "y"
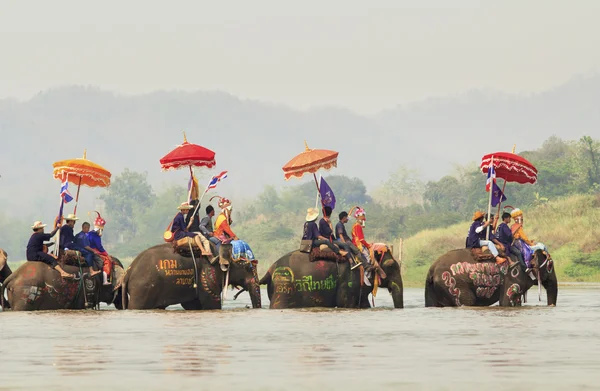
{"x": 400, "y": 207}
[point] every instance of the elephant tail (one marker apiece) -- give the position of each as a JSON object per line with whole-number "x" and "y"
{"x": 430, "y": 297}
{"x": 124, "y": 295}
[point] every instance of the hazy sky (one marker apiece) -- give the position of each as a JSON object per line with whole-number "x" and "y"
{"x": 366, "y": 55}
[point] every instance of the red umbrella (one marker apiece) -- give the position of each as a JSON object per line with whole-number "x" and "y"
{"x": 188, "y": 155}
{"x": 510, "y": 167}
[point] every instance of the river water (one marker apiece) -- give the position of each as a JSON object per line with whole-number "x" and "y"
{"x": 528, "y": 348}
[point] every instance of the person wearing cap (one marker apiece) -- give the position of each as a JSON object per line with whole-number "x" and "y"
{"x": 311, "y": 232}
{"x": 35, "y": 248}
{"x": 519, "y": 233}
{"x": 505, "y": 236}
{"x": 180, "y": 231}
{"x": 477, "y": 236}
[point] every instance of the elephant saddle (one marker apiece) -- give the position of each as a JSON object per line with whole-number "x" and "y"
{"x": 71, "y": 257}
{"x": 182, "y": 247}
{"x": 323, "y": 253}
{"x": 482, "y": 256}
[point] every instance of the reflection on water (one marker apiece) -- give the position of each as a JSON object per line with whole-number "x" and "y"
{"x": 532, "y": 347}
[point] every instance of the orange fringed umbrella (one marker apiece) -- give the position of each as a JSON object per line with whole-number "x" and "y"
{"x": 309, "y": 162}
{"x": 81, "y": 171}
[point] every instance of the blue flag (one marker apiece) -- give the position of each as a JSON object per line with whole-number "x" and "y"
{"x": 327, "y": 196}
{"x": 497, "y": 195}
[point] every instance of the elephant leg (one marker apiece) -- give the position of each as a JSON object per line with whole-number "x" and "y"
{"x": 193, "y": 305}
{"x": 467, "y": 298}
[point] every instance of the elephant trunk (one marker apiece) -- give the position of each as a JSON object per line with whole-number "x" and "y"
{"x": 397, "y": 291}
{"x": 253, "y": 287}
{"x": 551, "y": 286}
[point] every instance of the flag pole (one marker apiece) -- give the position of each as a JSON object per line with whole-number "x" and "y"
{"x": 504, "y": 186}
{"x": 318, "y": 195}
{"x": 487, "y": 234}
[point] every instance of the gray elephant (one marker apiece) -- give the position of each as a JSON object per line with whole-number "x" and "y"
{"x": 36, "y": 286}
{"x": 457, "y": 278}
{"x": 294, "y": 281}
{"x": 159, "y": 277}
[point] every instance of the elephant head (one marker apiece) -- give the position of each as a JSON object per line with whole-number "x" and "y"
{"x": 517, "y": 282}
{"x": 393, "y": 278}
{"x": 242, "y": 273}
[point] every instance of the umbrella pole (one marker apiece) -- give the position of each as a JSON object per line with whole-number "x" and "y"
{"x": 489, "y": 213}
{"x": 77, "y": 196}
{"x": 318, "y": 190}
{"x": 192, "y": 184}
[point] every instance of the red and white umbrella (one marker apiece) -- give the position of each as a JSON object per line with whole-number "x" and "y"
{"x": 188, "y": 155}
{"x": 510, "y": 167}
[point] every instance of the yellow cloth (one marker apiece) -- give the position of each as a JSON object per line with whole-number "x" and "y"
{"x": 520, "y": 234}
{"x": 219, "y": 221}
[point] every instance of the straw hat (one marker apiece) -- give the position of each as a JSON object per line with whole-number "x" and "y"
{"x": 71, "y": 217}
{"x": 311, "y": 214}
{"x": 184, "y": 206}
{"x": 477, "y": 215}
{"x": 38, "y": 225}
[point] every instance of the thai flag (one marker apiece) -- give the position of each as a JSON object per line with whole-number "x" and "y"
{"x": 216, "y": 179}
{"x": 64, "y": 192}
{"x": 491, "y": 178}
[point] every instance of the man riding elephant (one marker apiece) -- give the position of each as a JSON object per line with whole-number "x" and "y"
{"x": 159, "y": 277}
{"x": 180, "y": 230}
{"x": 95, "y": 238}
{"x": 457, "y": 278}
{"x": 35, "y": 249}
{"x": 312, "y": 233}
{"x": 477, "y": 236}
{"x": 68, "y": 241}
{"x": 298, "y": 280}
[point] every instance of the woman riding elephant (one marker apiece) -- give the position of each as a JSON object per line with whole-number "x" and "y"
{"x": 36, "y": 286}
{"x": 295, "y": 281}
{"x": 457, "y": 278}
{"x": 160, "y": 277}
{"x": 223, "y": 232}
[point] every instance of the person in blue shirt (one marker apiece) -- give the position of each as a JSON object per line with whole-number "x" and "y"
{"x": 506, "y": 238}
{"x": 180, "y": 231}
{"x": 83, "y": 246}
{"x": 477, "y": 236}
{"x": 311, "y": 232}
{"x": 35, "y": 249}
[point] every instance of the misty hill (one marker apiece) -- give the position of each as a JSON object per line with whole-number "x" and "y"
{"x": 253, "y": 140}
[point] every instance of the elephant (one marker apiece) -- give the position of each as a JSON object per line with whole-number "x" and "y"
{"x": 159, "y": 277}
{"x": 294, "y": 281}
{"x": 36, "y": 286}
{"x": 458, "y": 279}
{"x": 4, "y": 273}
